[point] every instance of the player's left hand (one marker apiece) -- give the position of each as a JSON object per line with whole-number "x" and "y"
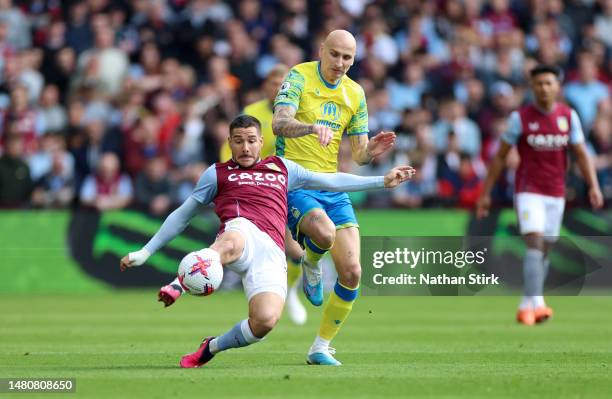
{"x": 134, "y": 259}
{"x": 398, "y": 175}
{"x": 595, "y": 197}
{"x": 380, "y": 143}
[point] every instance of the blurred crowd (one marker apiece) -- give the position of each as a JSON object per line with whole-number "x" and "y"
{"x": 108, "y": 104}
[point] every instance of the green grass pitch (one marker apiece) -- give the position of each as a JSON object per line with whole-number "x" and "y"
{"x": 127, "y": 345}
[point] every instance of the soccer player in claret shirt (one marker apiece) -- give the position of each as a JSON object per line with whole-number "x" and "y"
{"x": 262, "y": 110}
{"x": 542, "y": 133}
{"x": 250, "y": 197}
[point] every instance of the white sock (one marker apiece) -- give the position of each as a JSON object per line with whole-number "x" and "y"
{"x": 538, "y": 302}
{"x": 526, "y": 303}
{"x": 319, "y": 345}
{"x": 176, "y": 282}
{"x": 213, "y": 346}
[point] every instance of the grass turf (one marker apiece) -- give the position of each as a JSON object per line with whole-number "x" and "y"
{"x": 127, "y": 345}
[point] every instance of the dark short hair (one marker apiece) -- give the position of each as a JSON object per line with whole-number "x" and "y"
{"x": 244, "y": 121}
{"x": 540, "y": 69}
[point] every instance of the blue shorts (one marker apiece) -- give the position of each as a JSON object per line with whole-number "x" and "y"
{"x": 338, "y": 207}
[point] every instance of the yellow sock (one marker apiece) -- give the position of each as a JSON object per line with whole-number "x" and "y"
{"x": 314, "y": 252}
{"x": 294, "y": 270}
{"x": 336, "y": 310}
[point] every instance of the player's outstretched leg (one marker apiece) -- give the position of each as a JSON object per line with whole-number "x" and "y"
{"x": 264, "y": 311}
{"x": 340, "y": 302}
{"x": 168, "y": 294}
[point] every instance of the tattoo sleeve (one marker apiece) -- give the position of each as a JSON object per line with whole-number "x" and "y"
{"x": 284, "y": 123}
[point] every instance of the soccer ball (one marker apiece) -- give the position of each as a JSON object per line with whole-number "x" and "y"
{"x": 200, "y": 272}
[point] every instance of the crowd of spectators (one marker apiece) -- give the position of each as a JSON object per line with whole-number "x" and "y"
{"x": 108, "y": 104}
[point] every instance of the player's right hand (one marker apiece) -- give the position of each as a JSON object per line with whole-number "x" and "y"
{"x": 482, "y": 206}
{"x": 398, "y": 175}
{"x": 325, "y": 134}
{"x": 134, "y": 259}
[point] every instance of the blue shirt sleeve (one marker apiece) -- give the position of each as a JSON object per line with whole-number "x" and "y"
{"x": 206, "y": 189}
{"x": 299, "y": 177}
{"x": 576, "y": 133}
{"x": 174, "y": 224}
{"x": 513, "y": 132}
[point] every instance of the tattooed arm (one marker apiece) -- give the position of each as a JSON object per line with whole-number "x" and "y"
{"x": 286, "y": 105}
{"x": 284, "y": 124}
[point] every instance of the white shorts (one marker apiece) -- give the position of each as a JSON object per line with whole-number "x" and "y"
{"x": 539, "y": 213}
{"x": 262, "y": 265}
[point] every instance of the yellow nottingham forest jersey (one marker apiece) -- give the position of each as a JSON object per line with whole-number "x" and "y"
{"x": 261, "y": 110}
{"x": 341, "y": 107}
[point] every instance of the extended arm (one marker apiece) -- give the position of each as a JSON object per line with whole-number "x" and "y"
{"x": 175, "y": 223}
{"x": 303, "y": 178}
{"x": 284, "y": 122}
{"x": 341, "y": 182}
{"x": 286, "y": 105}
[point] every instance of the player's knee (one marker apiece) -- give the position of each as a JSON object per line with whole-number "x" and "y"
{"x": 319, "y": 227}
{"x": 326, "y": 238}
{"x": 263, "y": 323}
{"x": 324, "y": 235}
{"x": 535, "y": 241}
{"x": 350, "y": 275}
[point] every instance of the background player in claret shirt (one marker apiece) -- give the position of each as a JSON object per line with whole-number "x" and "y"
{"x": 262, "y": 110}
{"x": 316, "y": 104}
{"x": 250, "y": 197}
{"x": 542, "y": 133}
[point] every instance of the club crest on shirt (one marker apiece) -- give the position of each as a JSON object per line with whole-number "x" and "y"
{"x": 331, "y": 111}
{"x": 562, "y": 123}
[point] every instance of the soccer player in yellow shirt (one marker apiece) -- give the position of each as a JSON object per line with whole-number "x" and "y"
{"x": 316, "y": 104}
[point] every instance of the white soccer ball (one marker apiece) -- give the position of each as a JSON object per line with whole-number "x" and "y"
{"x": 200, "y": 272}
